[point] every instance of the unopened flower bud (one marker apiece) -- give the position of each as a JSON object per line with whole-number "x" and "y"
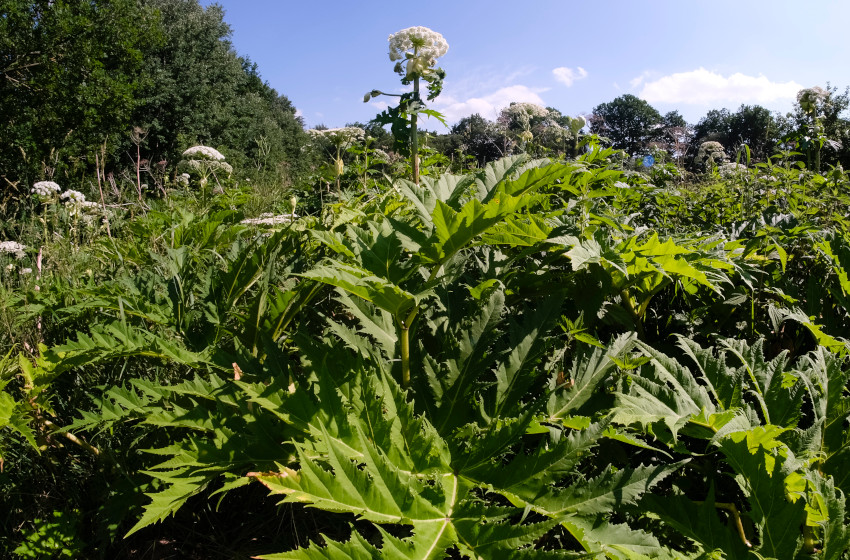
{"x": 338, "y": 167}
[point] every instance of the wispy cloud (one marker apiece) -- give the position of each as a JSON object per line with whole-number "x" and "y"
{"x": 703, "y": 87}
{"x": 568, "y": 76}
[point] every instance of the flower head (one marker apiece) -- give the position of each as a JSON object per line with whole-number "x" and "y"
{"x": 13, "y": 247}
{"x": 203, "y": 152}
{"x": 339, "y": 137}
{"x": 519, "y": 115}
{"x": 713, "y": 151}
{"x": 73, "y": 197}
{"x": 418, "y": 42}
{"x": 420, "y": 46}
{"x": 810, "y": 98}
{"x": 45, "y": 189}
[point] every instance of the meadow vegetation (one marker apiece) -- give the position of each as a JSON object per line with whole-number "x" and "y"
{"x": 546, "y": 336}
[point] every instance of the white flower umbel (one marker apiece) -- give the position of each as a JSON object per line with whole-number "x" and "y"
{"x": 13, "y": 248}
{"x": 341, "y": 139}
{"x": 810, "y": 99}
{"x": 45, "y": 189}
{"x": 269, "y": 219}
{"x": 418, "y": 42}
{"x": 204, "y": 162}
{"x": 711, "y": 151}
{"x": 73, "y": 196}
{"x": 518, "y": 116}
{"x": 203, "y": 152}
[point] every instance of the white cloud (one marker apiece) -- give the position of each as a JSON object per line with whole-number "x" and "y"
{"x": 703, "y": 87}
{"x": 488, "y": 106}
{"x": 568, "y": 76}
{"x": 380, "y": 105}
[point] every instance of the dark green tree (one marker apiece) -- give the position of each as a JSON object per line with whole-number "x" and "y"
{"x": 834, "y": 120}
{"x": 198, "y": 90}
{"x": 752, "y": 125}
{"x": 478, "y": 137}
{"x": 629, "y": 122}
{"x": 68, "y": 76}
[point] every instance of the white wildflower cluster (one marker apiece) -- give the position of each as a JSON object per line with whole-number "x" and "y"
{"x": 269, "y": 219}
{"x": 45, "y": 189}
{"x": 78, "y": 206}
{"x": 418, "y": 43}
{"x": 339, "y": 137}
{"x": 13, "y": 248}
{"x": 518, "y": 116}
{"x": 811, "y": 98}
{"x": 731, "y": 169}
{"x": 71, "y": 196}
{"x": 183, "y": 179}
{"x": 711, "y": 151}
{"x": 203, "y": 152}
{"x": 577, "y": 123}
{"x": 531, "y": 110}
{"x": 202, "y": 167}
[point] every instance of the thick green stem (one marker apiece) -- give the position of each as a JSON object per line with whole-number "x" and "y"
{"x": 414, "y": 138}
{"x": 404, "y": 331}
{"x": 626, "y": 298}
{"x": 405, "y": 357}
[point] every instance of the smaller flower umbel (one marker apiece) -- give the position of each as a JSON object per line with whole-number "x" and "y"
{"x": 415, "y": 51}
{"x": 339, "y": 139}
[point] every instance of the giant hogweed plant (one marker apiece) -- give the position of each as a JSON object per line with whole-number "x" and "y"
{"x": 768, "y": 442}
{"x": 415, "y": 51}
{"x": 441, "y": 403}
{"x": 482, "y": 448}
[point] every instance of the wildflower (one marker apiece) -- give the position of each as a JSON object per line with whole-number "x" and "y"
{"x": 45, "y": 189}
{"x": 526, "y": 109}
{"x": 418, "y": 43}
{"x": 202, "y": 167}
{"x": 203, "y": 152}
{"x": 518, "y": 116}
{"x": 339, "y": 137}
{"x": 71, "y": 196}
{"x": 729, "y": 169}
{"x": 26, "y": 271}
{"x": 269, "y": 219}
{"x": 577, "y": 123}
{"x": 711, "y": 151}
{"x": 810, "y": 98}
{"x": 13, "y": 247}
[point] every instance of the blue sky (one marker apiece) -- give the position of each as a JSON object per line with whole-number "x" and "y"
{"x": 690, "y": 55}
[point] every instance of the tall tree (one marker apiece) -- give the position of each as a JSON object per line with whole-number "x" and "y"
{"x": 631, "y": 123}
{"x": 481, "y": 138}
{"x": 752, "y": 125}
{"x": 198, "y": 90}
{"x": 68, "y": 73}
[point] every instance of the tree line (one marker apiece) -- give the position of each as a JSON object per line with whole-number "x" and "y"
{"x": 118, "y": 88}
{"x": 105, "y": 85}
{"x": 633, "y": 125}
